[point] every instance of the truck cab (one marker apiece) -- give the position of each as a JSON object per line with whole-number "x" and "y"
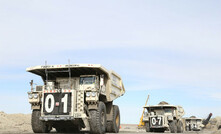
{"x": 90, "y": 83}
{"x": 93, "y": 86}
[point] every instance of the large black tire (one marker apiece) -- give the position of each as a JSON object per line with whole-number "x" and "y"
{"x": 38, "y": 126}
{"x": 147, "y": 125}
{"x": 114, "y": 125}
{"x": 173, "y": 126}
{"x": 179, "y": 127}
{"x": 219, "y": 127}
{"x": 98, "y": 119}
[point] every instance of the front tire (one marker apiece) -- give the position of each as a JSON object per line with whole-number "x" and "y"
{"x": 98, "y": 119}
{"x": 147, "y": 125}
{"x": 38, "y": 126}
{"x": 173, "y": 126}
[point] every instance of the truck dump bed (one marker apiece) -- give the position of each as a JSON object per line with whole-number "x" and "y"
{"x": 113, "y": 82}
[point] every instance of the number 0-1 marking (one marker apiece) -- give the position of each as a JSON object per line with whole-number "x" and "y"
{"x": 51, "y": 108}
{"x": 65, "y": 100}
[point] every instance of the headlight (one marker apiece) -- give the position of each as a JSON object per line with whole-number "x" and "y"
{"x": 93, "y": 94}
{"x": 170, "y": 117}
{"x": 35, "y": 96}
{"x": 30, "y": 96}
{"x": 88, "y": 94}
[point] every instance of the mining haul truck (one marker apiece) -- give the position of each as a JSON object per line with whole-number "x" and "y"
{"x": 75, "y": 97}
{"x": 164, "y": 117}
{"x": 193, "y": 124}
{"x": 196, "y": 124}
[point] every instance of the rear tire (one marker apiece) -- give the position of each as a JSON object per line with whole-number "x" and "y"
{"x": 98, "y": 119}
{"x": 179, "y": 127}
{"x": 173, "y": 126}
{"x": 114, "y": 125}
{"x": 38, "y": 126}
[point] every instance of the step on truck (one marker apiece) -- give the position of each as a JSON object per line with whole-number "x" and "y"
{"x": 163, "y": 117}
{"x": 75, "y": 97}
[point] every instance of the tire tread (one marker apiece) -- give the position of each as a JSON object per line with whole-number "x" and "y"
{"x": 37, "y": 125}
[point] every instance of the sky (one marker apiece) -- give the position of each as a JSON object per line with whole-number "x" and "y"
{"x": 168, "y": 49}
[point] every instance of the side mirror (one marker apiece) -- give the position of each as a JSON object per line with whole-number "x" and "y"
{"x": 101, "y": 80}
{"x": 31, "y": 84}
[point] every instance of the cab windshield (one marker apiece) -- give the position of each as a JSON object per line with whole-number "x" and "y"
{"x": 87, "y": 80}
{"x": 168, "y": 110}
{"x": 160, "y": 110}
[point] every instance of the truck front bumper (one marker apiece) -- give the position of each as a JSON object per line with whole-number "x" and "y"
{"x": 158, "y": 127}
{"x": 56, "y": 118}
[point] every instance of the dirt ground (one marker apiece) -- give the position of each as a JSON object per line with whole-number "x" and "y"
{"x": 21, "y": 123}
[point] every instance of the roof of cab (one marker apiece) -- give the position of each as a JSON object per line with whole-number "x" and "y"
{"x": 77, "y": 69}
